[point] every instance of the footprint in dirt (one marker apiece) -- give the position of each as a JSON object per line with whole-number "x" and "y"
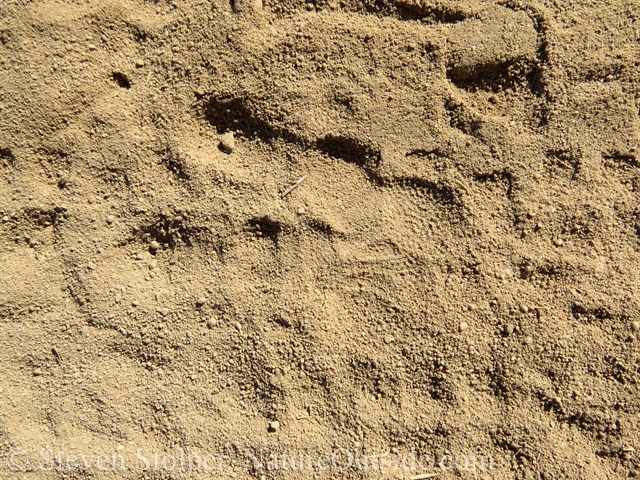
{"x": 370, "y": 83}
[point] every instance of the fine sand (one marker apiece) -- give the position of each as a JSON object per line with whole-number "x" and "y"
{"x": 319, "y": 239}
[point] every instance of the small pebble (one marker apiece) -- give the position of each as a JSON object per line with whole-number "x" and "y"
{"x": 635, "y": 326}
{"x": 558, "y": 242}
{"x": 227, "y": 142}
{"x": 110, "y": 219}
{"x": 463, "y": 326}
{"x": 154, "y": 246}
{"x": 388, "y": 339}
{"x": 274, "y": 426}
{"x": 200, "y": 302}
{"x": 528, "y": 340}
{"x": 240, "y": 6}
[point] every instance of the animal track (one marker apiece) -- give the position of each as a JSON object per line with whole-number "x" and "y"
{"x": 235, "y": 114}
{"x": 333, "y": 108}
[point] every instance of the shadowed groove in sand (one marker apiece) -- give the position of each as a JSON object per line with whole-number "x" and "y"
{"x": 227, "y": 113}
{"x": 439, "y": 12}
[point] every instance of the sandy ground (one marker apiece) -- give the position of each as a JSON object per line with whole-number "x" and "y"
{"x": 319, "y": 239}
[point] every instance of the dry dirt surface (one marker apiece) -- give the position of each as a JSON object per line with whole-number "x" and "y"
{"x": 319, "y": 239}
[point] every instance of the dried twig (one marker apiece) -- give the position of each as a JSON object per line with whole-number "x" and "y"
{"x": 56, "y": 355}
{"x": 294, "y": 186}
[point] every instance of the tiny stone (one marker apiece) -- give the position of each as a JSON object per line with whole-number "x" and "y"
{"x": 139, "y": 63}
{"x": 635, "y": 326}
{"x": 388, "y": 339}
{"x": 110, "y": 219}
{"x": 274, "y": 426}
{"x": 558, "y": 242}
{"x": 201, "y": 301}
{"x": 163, "y": 311}
{"x": 227, "y": 142}
{"x": 463, "y": 326}
{"x": 508, "y": 330}
{"x": 154, "y": 246}
{"x": 301, "y": 211}
{"x": 528, "y": 340}
{"x": 240, "y": 6}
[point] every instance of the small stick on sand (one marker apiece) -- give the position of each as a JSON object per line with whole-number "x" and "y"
{"x": 294, "y": 186}
{"x": 56, "y": 355}
{"x": 425, "y": 475}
